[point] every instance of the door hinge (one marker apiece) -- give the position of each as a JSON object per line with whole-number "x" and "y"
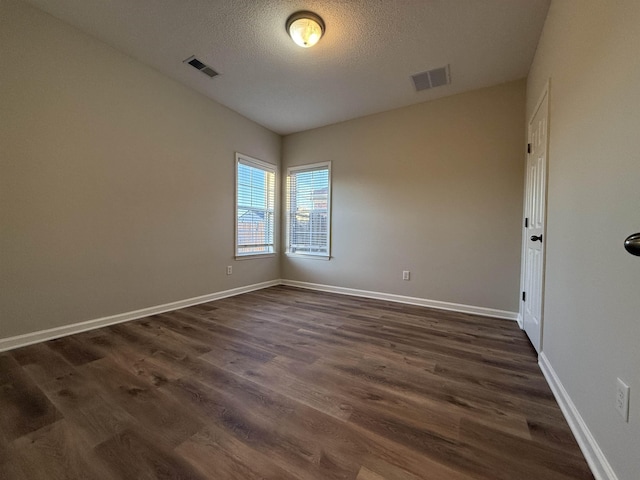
{"x": 526, "y": 222}
{"x": 528, "y": 148}
{"x": 524, "y": 296}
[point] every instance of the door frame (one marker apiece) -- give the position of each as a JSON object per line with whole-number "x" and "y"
{"x": 544, "y": 97}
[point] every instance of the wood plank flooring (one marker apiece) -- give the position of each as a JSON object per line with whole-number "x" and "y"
{"x": 285, "y": 384}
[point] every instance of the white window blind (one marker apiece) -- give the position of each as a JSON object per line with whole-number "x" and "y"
{"x": 309, "y": 209}
{"x": 255, "y": 206}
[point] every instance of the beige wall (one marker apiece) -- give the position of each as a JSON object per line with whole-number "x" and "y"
{"x": 116, "y": 183}
{"x": 435, "y": 188}
{"x": 590, "y": 50}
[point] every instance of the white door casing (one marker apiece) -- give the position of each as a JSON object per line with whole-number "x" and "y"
{"x": 534, "y": 224}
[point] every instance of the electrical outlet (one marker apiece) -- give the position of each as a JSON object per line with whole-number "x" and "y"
{"x": 406, "y": 274}
{"x": 229, "y": 270}
{"x": 622, "y": 399}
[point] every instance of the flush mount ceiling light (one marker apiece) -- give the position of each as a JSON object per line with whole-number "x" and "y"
{"x": 305, "y": 28}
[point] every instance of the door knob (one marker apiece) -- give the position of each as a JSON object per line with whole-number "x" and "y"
{"x": 535, "y": 238}
{"x": 632, "y": 244}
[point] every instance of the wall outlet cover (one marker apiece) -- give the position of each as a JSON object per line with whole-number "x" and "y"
{"x": 622, "y": 399}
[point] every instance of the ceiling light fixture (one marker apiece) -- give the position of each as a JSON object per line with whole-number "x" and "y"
{"x": 305, "y": 28}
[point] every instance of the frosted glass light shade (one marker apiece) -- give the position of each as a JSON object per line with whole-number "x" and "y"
{"x": 305, "y": 28}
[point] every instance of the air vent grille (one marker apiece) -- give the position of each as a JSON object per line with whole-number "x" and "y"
{"x": 431, "y": 78}
{"x": 194, "y": 62}
{"x": 204, "y": 68}
{"x": 209, "y": 71}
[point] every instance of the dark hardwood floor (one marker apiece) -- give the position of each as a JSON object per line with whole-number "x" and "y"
{"x": 285, "y": 383}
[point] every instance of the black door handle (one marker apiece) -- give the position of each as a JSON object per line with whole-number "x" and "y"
{"x": 536, "y": 238}
{"x": 632, "y": 244}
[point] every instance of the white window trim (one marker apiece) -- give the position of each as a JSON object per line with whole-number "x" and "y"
{"x": 246, "y": 159}
{"x": 302, "y": 168}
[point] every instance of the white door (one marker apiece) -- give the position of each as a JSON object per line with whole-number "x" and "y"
{"x": 534, "y": 231}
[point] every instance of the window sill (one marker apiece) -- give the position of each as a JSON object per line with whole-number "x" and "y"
{"x": 254, "y": 256}
{"x": 310, "y": 257}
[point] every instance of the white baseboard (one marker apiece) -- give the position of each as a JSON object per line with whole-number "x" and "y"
{"x": 598, "y": 463}
{"x": 520, "y": 321}
{"x": 51, "y": 333}
{"x": 454, "y": 307}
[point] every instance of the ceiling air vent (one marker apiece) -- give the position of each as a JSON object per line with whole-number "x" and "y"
{"x": 431, "y": 78}
{"x": 206, "y": 69}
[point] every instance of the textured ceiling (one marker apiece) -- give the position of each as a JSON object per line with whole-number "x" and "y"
{"x": 361, "y": 66}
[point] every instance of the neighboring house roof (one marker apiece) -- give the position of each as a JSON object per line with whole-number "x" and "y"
{"x": 251, "y": 216}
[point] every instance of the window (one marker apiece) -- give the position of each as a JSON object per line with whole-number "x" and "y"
{"x": 255, "y": 206}
{"x": 309, "y": 210}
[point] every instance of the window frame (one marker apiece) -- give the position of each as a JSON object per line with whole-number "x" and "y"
{"x": 241, "y": 158}
{"x": 299, "y": 169}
